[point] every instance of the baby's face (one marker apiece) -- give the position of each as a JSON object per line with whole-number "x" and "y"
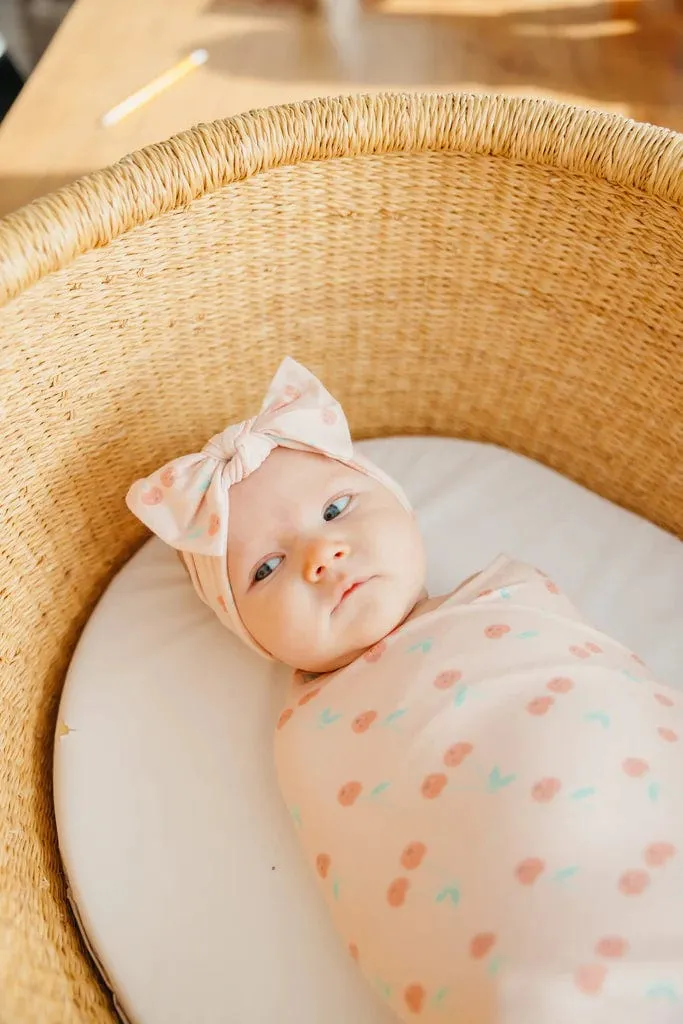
{"x": 323, "y": 560}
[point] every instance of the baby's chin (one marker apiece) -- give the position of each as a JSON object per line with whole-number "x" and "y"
{"x": 320, "y": 663}
{"x": 364, "y": 632}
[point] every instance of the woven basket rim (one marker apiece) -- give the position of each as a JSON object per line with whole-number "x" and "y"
{"x": 50, "y": 232}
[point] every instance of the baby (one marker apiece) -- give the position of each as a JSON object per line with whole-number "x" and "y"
{"x": 489, "y": 790}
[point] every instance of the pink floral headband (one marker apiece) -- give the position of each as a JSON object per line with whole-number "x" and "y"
{"x": 186, "y": 502}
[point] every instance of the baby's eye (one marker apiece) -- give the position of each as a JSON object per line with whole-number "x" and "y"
{"x": 268, "y": 567}
{"x": 336, "y": 508}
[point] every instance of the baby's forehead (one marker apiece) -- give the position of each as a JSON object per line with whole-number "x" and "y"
{"x": 287, "y": 473}
{"x": 283, "y": 484}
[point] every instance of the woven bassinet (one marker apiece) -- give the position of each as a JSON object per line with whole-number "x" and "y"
{"x": 504, "y": 270}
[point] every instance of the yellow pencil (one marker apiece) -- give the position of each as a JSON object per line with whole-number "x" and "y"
{"x": 156, "y": 86}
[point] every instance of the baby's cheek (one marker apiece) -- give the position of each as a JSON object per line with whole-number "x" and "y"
{"x": 284, "y": 623}
{"x": 291, "y": 625}
{"x": 266, "y": 616}
{"x": 393, "y": 539}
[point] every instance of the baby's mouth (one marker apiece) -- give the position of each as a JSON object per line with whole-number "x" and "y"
{"x": 349, "y": 590}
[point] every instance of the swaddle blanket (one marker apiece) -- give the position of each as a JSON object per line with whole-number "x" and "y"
{"x": 492, "y": 801}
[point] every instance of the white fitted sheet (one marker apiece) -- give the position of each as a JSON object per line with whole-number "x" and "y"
{"x": 181, "y": 860}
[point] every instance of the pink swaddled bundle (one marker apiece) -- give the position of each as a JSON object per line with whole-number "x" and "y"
{"x": 492, "y": 799}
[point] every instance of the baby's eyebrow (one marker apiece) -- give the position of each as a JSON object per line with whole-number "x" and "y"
{"x": 254, "y": 551}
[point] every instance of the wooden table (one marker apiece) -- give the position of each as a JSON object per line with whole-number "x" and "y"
{"x": 623, "y": 56}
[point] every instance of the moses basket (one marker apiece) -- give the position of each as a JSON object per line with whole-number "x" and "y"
{"x": 503, "y": 270}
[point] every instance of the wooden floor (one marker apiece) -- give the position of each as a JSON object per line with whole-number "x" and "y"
{"x": 624, "y": 54}
{"x": 621, "y": 55}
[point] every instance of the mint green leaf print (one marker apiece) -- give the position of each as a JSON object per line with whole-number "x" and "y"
{"x": 296, "y": 816}
{"x": 493, "y": 966}
{"x": 528, "y": 635}
{"x": 598, "y": 716}
{"x": 451, "y": 892}
{"x": 380, "y": 788}
{"x": 581, "y": 794}
{"x": 460, "y": 695}
{"x": 335, "y": 888}
{"x": 653, "y": 791}
{"x": 384, "y": 990}
{"x": 394, "y": 715}
{"x": 424, "y": 645}
{"x": 327, "y": 717}
{"x": 663, "y": 991}
{"x": 505, "y": 593}
{"x": 440, "y": 996}
{"x": 565, "y": 873}
{"x": 497, "y": 780}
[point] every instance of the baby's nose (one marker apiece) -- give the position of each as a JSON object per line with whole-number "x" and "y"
{"x": 320, "y": 556}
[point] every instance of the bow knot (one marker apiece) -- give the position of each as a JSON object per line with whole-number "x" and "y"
{"x": 224, "y": 445}
{"x": 241, "y": 449}
{"x": 186, "y": 501}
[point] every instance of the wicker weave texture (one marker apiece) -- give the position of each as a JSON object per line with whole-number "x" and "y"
{"x": 504, "y": 270}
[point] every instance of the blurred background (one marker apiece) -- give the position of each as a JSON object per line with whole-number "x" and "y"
{"x": 65, "y": 63}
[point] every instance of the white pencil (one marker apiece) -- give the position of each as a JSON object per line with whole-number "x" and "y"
{"x": 156, "y": 86}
